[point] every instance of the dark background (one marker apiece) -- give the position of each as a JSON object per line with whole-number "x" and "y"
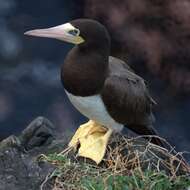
{"x": 152, "y": 36}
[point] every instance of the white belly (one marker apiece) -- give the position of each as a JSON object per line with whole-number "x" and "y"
{"x": 93, "y": 108}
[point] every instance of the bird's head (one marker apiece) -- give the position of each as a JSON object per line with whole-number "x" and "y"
{"x": 79, "y": 31}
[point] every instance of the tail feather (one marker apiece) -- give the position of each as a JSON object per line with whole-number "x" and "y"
{"x": 147, "y": 130}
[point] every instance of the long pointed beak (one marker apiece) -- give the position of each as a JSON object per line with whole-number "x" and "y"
{"x": 59, "y": 32}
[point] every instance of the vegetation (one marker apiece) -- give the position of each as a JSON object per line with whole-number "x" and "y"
{"x": 72, "y": 173}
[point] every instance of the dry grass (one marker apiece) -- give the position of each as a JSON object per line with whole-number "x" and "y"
{"x": 131, "y": 161}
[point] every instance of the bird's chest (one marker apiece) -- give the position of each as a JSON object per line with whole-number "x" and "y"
{"x": 90, "y": 106}
{"x": 83, "y": 75}
{"x": 93, "y": 108}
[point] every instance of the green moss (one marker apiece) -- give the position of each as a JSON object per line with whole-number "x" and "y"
{"x": 156, "y": 181}
{"x": 83, "y": 176}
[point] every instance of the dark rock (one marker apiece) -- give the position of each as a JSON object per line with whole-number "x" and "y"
{"x": 127, "y": 153}
{"x": 20, "y": 169}
{"x": 39, "y": 132}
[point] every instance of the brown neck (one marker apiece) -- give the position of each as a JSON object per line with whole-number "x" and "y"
{"x": 84, "y": 70}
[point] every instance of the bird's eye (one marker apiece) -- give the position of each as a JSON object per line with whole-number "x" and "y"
{"x": 74, "y": 32}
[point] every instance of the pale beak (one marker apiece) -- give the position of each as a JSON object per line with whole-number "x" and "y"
{"x": 60, "y": 32}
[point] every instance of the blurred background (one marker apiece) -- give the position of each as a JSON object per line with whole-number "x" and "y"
{"x": 152, "y": 36}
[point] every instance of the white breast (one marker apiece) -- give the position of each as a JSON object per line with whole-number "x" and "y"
{"x": 93, "y": 108}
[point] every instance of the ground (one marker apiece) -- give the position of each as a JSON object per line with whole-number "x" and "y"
{"x": 37, "y": 159}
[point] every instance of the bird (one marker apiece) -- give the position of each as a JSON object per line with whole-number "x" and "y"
{"x": 101, "y": 87}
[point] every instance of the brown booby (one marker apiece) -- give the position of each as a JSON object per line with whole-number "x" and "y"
{"x": 103, "y": 88}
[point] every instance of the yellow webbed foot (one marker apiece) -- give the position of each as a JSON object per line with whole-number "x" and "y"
{"x": 93, "y": 139}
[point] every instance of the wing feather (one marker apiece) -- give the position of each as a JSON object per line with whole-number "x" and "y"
{"x": 126, "y": 96}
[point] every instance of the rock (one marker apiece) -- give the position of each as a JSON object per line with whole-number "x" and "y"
{"x": 39, "y": 132}
{"x": 127, "y": 153}
{"x": 20, "y": 169}
{"x": 138, "y": 152}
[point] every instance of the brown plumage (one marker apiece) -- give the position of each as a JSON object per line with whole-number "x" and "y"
{"x": 89, "y": 73}
{"x": 131, "y": 103}
{"x": 88, "y": 70}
